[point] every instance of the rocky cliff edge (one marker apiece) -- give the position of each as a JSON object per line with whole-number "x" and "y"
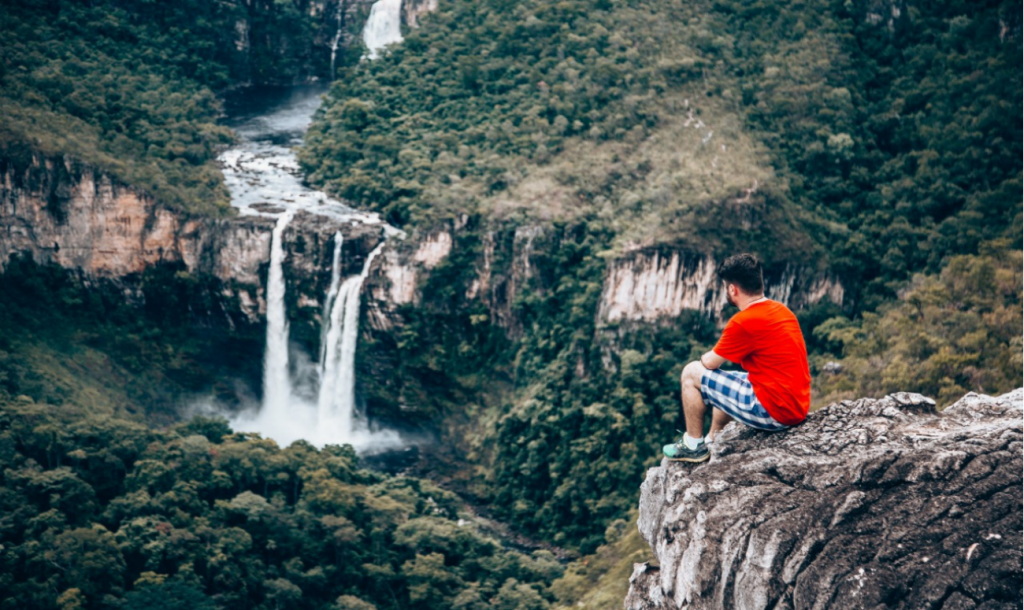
{"x": 873, "y": 504}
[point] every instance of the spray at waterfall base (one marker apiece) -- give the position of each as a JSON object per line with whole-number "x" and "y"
{"x": 301, "y": 400}
{"x": 318, "y": 407}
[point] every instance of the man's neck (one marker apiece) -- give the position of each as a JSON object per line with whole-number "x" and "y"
{"x": 745, "y": 301}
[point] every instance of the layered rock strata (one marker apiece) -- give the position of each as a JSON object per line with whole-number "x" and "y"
{"x": 870, "y": 504}
{"x": 647, "y": 286}
{"x": 59, "y": 211}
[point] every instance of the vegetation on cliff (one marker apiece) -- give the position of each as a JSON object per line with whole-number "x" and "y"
{"x": 884, "y": 139}
{"x": 84, "y": 345}
{"x": 948, "y": 334}
{"x": 129, "y": 86}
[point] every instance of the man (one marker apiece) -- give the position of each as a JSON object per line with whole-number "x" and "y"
{"x": 765, "y": 339}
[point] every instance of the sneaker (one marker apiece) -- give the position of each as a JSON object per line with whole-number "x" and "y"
{"x": 679, "y": 452}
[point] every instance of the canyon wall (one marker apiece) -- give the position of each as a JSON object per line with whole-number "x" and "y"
{"x": 652, "y": 285}
{"x": 640, "y": 286}
{"x": 413, "y": 11}
{"x": 61, "y": 211}
{"x": 501, "y": 264}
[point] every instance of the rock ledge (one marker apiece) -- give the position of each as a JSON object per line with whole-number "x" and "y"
{"x": 873, "y": 504}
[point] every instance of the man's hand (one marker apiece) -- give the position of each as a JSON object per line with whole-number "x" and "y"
{"x": 711, "y": 360}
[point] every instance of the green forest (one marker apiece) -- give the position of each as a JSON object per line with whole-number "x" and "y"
{"x": 877, "y": 141}
{"x": 886, "y": 141}
{"x": 131, "y": 87}
{"x": 102, "y": 512}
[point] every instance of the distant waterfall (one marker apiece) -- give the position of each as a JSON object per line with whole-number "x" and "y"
{"x": 276, "y": 382}
{"x": 383, "y": 26}
{"x": 336, "y": 399}
{"x": 337, "y": 37}
{"x": 308, "y": 396}
{"x": 332, "y": 293}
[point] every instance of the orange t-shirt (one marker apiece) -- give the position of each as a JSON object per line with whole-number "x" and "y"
{"x": 765, "y": 339}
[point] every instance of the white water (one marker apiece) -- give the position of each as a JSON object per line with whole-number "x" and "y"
{"x": 262, "y": 172}
{"x": 383, "y": 27}
{"x": 300, "y": 402}
{"x": 277, "y": 387}
{"x": 332, "y": 293}
{"x": 337, "y": 40}
{"x": 336, "y": 398}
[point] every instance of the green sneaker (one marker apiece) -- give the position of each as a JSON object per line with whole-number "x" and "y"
{"x": 679, "y": 452}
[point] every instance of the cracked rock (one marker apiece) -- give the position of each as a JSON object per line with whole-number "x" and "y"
{"x": 870, "y": 504}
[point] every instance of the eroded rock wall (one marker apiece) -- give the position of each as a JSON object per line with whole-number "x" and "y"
{"x": 413, "y": 11}
{"x": 870, "y": 504}
{"x": 652, "y": 285}
{"x": 57, "y": 210}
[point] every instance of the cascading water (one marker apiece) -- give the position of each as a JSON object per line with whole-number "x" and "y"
{"x": 264, "y": 179}
{"x": 276, "y": 381}
{"x": 332, "y": 293}
{"x": 337, "y": 38}
{"x": 336, "y": 399}
{"x": 383, "y": 27}
{"x": 262, "y": 173}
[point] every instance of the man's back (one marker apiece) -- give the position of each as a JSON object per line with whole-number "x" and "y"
{"x": 765, "y": 339}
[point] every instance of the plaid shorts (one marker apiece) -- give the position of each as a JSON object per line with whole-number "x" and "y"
{"x": 731, "y": 392}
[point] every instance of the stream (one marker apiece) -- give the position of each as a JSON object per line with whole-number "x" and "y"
{"x": 263, "y": 176}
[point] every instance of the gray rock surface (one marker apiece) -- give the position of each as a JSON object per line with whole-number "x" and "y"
{"x": 873, "y": 504}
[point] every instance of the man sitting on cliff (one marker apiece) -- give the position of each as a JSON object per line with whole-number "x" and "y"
{"x": 765, "y": 339}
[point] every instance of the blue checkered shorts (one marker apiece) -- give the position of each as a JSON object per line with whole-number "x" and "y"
{"x": 731, "y": 392}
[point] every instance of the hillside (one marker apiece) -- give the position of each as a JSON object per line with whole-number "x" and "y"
{"x": 855, "y": 124}
{"x": 859, "y": 139}
{"x": 132, "y": 87}
{"x": 566, "y": 177}
{"x": 103, "y": 512}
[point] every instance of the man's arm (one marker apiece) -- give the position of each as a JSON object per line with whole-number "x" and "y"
{"x": 711, "y": 360}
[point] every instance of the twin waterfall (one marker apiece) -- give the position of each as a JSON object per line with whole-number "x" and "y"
{"x": 286, "y": 414}
{"x": 315, "y": 403}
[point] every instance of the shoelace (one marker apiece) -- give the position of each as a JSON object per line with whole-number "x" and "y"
{"x": 683, "y": 444}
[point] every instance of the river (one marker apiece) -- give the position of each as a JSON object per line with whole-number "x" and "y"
{"x": 264, "y": 178}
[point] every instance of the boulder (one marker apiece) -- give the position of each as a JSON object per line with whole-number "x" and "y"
{"x": 873, "y": 504}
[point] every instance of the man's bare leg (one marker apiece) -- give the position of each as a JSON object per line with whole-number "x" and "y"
{"x": 718, "y": 420}
{"x": 693, "y": 402}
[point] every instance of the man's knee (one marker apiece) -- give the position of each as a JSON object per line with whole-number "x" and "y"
{"x": 692, "y": 374}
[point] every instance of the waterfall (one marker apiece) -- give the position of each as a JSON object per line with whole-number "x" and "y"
{"x": 336, "y": 399}
{"x": 286, "y": 414}
{"x": 308, "y": 396}
{"x": 332, "y": 293}
{"x": 383, "y": 26}
{"x": 337, "y": 37}
{"x": 276, "y": 382}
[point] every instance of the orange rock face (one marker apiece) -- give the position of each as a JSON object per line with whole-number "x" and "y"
{"x": 79, "y": 218}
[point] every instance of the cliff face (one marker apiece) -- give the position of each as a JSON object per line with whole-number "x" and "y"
{"x": 63, "y": 212}
{"x": 413, "y": 11}
{"x": 869, "y": 504}
{"x": 641, "y": 286}
{"x": 501, "y": 269}
{"x": 71, "y": 215}
{"x": 651, "y": 285}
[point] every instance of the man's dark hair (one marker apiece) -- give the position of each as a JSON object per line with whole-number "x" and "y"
{"x": 744, "y": 270}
